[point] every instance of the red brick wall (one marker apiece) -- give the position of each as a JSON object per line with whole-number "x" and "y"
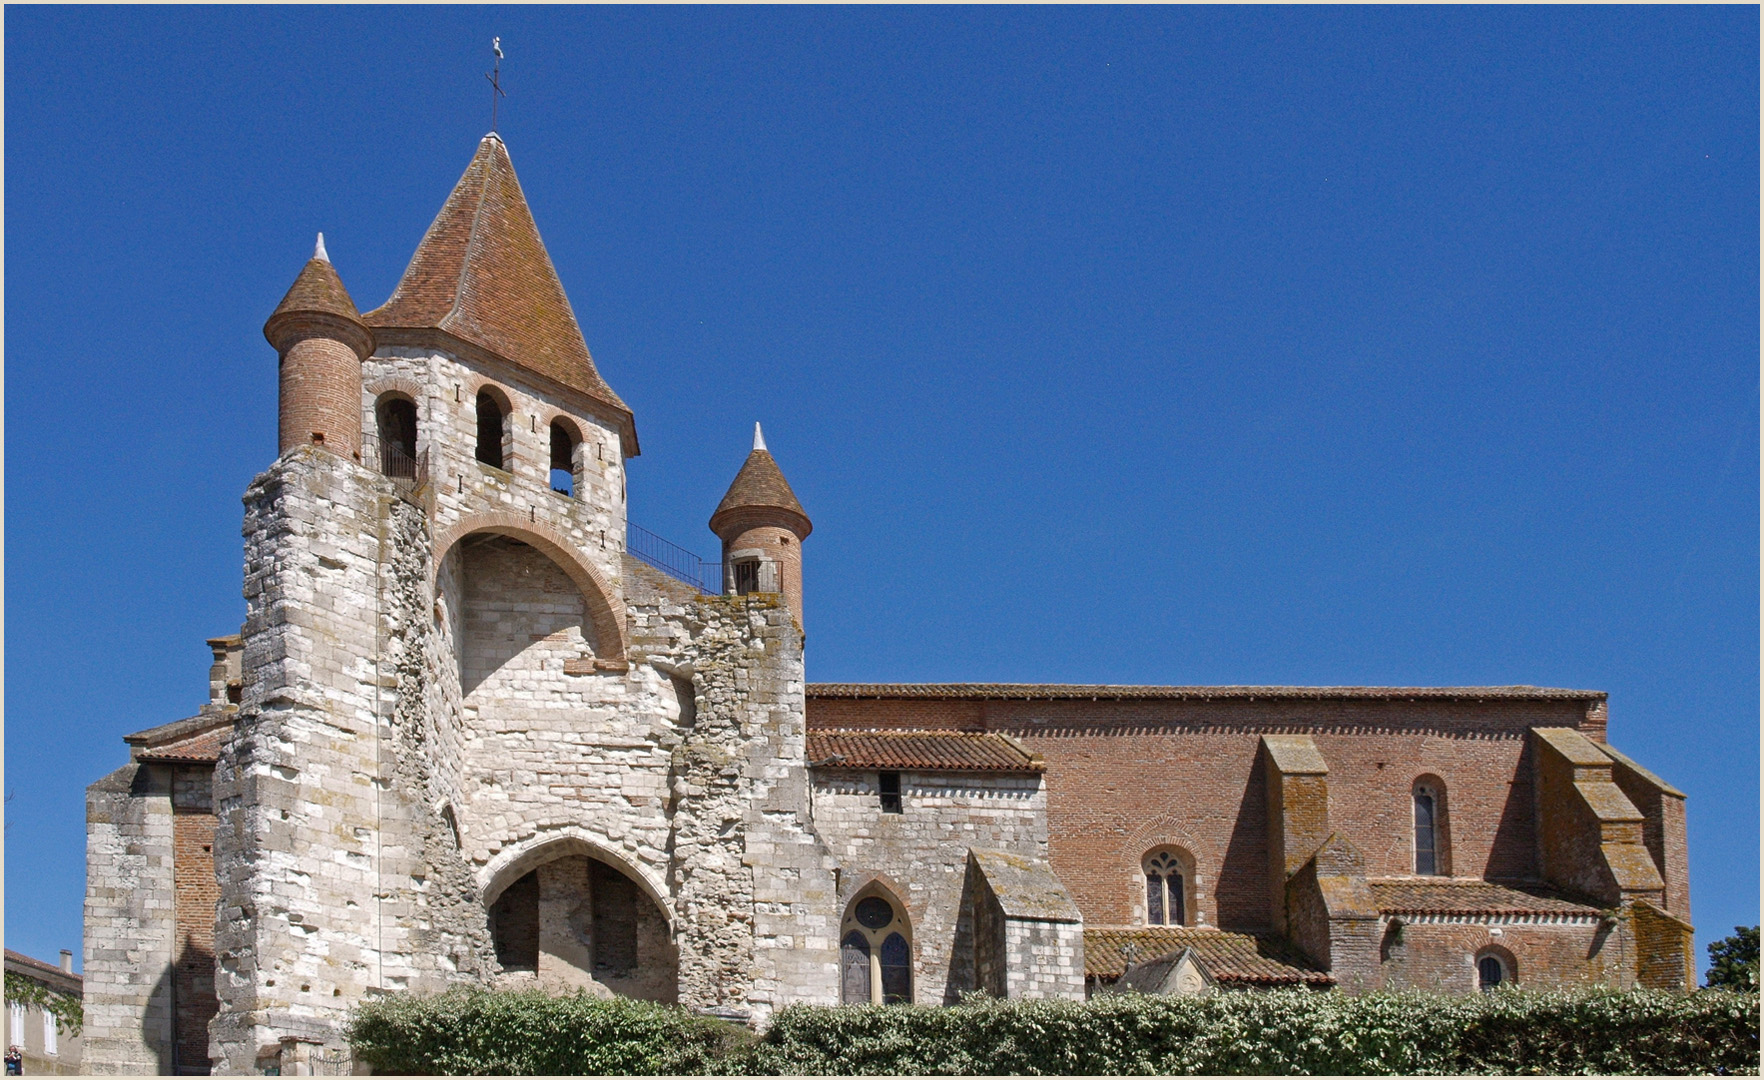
{"x": 321, "y": 392}
{"x": 1665, "y": 951}
{"x": 1442, "y": 956}
{"x": 1125, "y": 776}
{"x": 782, "y": 546}
{"x": 197, "y": 892}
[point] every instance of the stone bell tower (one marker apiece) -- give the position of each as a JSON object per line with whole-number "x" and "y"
{"x": 762, "y": 527}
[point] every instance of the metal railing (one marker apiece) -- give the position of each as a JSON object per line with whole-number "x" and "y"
{"x": 392, "y": 462}
{"x": 670, "y": 558}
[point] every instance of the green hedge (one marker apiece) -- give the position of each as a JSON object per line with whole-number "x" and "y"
{"x": 530, "y": 1033}
{"x": 1244, "y": 1033}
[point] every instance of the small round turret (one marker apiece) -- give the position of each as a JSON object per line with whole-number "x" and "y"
{"x": 762, "y": 527}
{"x": 322, "y": 342}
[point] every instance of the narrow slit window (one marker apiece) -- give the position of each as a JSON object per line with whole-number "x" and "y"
{"x": 1425, "y": 848}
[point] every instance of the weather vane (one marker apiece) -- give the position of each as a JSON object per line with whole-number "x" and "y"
{"x": 495, "y": 77}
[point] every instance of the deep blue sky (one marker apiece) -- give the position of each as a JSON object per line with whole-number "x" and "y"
{"x": 1210, "y": 345}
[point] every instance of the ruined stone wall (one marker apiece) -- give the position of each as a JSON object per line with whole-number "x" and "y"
{"x": 130, "y": 922}
{"x": 924, "y": 849}
{"x": 434, "y": 926}
{"x": 754, "y": 892}
{"x": 325, "y": 847}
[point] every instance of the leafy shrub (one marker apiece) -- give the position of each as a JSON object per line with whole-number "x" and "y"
{"x": 1292, "y": 1032}
{"x": 1279, "y": 1033}
{"x": 526, "y": 1033}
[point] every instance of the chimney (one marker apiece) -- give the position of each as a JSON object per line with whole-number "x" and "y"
{"x": 67, "y": 961}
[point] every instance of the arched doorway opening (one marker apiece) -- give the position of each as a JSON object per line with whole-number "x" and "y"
{"x": 580, "y": 921}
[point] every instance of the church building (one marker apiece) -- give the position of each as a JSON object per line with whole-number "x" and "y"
{"x": 479, "y": 729}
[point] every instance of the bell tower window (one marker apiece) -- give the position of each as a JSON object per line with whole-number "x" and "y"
{"x": 490, "y": 430}
{"x": 397, "y": 420}
{"x": 563, "y": 459}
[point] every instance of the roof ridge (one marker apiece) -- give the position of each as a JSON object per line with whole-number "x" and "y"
{"x": 471, "y": 243}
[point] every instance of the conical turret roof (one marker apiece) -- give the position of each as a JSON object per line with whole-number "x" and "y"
{"x": 317, "y": 291}
{"x": 482, "y": 275}
{"x": 760, "y": 485}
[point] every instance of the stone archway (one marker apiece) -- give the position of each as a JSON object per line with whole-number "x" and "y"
{"x": 605, "y": 611}
{"x": 572, "y": 914}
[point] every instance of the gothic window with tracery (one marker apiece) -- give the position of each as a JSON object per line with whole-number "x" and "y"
{"x": 875, "y": 954}
{"x": 1166, "y": 889}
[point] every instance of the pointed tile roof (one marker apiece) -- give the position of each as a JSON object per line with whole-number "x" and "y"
{"x": 760, "y": 485}
{"x": 317, "y": 291}
{"x": 482, "y": 275}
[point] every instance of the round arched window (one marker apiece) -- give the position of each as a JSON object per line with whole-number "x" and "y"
{"x": 1491, "y": 972}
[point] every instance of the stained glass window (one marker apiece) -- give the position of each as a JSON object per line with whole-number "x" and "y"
{"x": 854, "y": 969}
{"x": 897, "y": 971}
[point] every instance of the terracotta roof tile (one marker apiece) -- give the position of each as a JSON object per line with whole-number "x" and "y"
{"x": 760, "y": 483}
{"x": 482, "y": 274}
{"x": 1060, "y": 691}
{"x": 937, "y": 751}
{"x": 1228, "y": 957}
{"x": 1445, "y": 896}
{"x": 203, "y": 746}
{"x": 318, "y": 289}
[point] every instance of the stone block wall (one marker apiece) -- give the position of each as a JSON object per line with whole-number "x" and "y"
{"x": 923, "y": 850}
{"x": 130, "y": 922}
{"x": 317, "y": 851}
{"x": 1020, "y": 935}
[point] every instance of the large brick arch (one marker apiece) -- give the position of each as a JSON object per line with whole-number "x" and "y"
{"x": 605, "y": 610}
